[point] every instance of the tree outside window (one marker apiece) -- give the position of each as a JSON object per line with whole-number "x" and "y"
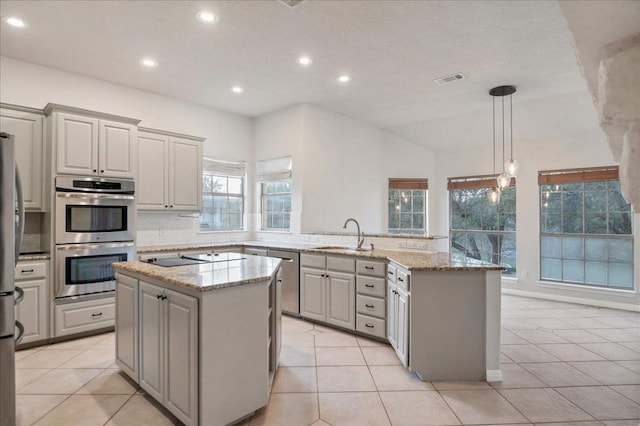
{"x": 276, "y": 205}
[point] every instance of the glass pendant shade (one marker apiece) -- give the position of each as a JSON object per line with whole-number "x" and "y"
{"x": 494, "y": 196}
{"x": 511, "y": 168}
{"x": 503, "y": 181}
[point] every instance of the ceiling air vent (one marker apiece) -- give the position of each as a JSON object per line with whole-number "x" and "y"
{"x": 291, "y": 3}
{"x": 449, "y": 78}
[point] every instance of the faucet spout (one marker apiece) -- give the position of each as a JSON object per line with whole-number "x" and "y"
{"x": 360, "y": 234}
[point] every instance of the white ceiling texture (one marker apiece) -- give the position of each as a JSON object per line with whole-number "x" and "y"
{"x": 392, "y": 49}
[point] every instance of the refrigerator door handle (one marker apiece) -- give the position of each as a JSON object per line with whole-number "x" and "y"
{"x": 20, "y": 332}
{"x": 20, "y": 224}
{"x": 20, "y": 295}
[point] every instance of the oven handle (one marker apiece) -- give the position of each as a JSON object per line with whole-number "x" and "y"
{"x": 94, "y": 196}
{"x": 77, "y": 247}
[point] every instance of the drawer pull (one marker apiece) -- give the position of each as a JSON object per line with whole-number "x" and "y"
{"x": 390, "y": 273}
{"x": 27, "y": 271}
{"x": 400, "y": 279}
{"x": 368, "y": 326}
{"x": 369, "y": 306}
{"x": 370, "y": 268}
{"x": 369, "y": 285}
{"x": 99, "y": 314}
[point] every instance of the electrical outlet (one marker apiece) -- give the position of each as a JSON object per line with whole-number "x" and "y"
{"x": 422, "y": 245}
{"x": 402, "y": 244}
{"x": 412, "y": 244}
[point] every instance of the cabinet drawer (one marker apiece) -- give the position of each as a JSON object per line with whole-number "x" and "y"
{"x": 84, "y": 316}
{"x": 341, "y": 264}
{"x": 255, "y": 251}
{"x": 371, "y": 286}
{"x": 402, "y": 279}
{"x": 313, "y": 261}
{"x": 30, "y": 270}
{"x": 371, "y": 306}
{"x": 370, "y": 325}
{"x": 391, "y": 273}
{"x": 368, "y": 267}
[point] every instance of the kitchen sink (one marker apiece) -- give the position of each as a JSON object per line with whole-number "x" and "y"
{"x": 345, "y": 248}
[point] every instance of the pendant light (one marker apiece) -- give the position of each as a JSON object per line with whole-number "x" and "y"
{"x": 511, "y": 167}
{"x": 494, "y": 193}
{"x": 504, "y": 179}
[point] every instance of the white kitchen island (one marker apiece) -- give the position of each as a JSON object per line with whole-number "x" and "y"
{"x": 203, "y": 340}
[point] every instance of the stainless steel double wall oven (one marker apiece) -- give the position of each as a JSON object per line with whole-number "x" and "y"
{"x": 94, "y": 227}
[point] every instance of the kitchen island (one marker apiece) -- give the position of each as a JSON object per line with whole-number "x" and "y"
{"x": 201, "y": 339}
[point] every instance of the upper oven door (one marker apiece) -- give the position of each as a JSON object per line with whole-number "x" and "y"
{"x": 94, "y": 218}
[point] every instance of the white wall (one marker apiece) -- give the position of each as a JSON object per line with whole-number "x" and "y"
{"x": 340, "y": 166}
{"x": 228, "y": 136}
{"x": 534, "y": 154}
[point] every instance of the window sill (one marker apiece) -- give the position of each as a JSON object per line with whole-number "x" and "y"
{"x": 587, "y": 289}
{"x": 234, "y": 231}
{"x": 274, "y": 231}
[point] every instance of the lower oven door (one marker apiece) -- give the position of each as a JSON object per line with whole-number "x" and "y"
{"x": 86, "y": 269}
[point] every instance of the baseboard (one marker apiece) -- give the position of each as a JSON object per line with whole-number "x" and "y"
{"x": 572, "y": 299}
{"x": 494, "y": 375}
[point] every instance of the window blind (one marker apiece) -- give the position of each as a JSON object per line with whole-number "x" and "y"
{"x": 408, "y": 183}
{"x": 274, "y": 169}
{"x": 475, "y": 182}
{"x": 590, "y": 174}
{"x": 224, "y": 168}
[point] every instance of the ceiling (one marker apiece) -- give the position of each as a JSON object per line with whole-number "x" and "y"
{"x": 392, "y": 49}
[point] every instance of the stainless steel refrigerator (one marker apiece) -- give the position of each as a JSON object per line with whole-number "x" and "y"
{"x": 11, "y": 229}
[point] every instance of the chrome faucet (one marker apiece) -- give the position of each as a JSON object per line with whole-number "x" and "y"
{"x": 360, "y": 234}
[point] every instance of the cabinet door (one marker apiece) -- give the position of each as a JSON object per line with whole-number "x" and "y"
{"x": 153, "y": 172}
{"x": 312, "y": 294}
{"x": 341, "y": 299}
{"x": 185, "y": 175}
{"x": 151, "y": 328}
{"x": 392, "y": 316}
{"x": 403, "y": 326}
{"x": 77, "y": 144}
{"x": 181, "y": 383}
{"x": 127, "y": 325}
{"x": 117, "y": 149}
{"x": 32, "y": 312}
{"x": 27, "y": 129}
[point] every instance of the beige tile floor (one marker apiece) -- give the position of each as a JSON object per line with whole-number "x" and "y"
{"x": 562, "y": 364}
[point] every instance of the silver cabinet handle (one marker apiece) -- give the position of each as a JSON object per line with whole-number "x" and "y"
{"x": 20, "y": 295}
{"x": 20, "y": 332}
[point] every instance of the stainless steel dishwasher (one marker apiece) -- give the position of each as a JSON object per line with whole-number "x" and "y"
{"x": 290, "y": 279}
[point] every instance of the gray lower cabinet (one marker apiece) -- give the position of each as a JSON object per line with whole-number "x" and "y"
{"x": 32, "y": 311}
{"x": 169, "y": 349}
{"x": 398, "y": 314}
{"x": 127, "y": 325}
{"x": 328, "y": 290}
{"x": 371, "y": 298}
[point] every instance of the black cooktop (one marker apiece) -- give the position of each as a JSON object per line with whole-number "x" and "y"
{"x": 196, "y": 260}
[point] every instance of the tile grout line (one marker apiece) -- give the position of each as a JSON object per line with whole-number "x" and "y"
{"x": 121, "y": 407}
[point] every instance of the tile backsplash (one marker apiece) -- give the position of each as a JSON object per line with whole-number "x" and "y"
{"x": 32, "y": 239}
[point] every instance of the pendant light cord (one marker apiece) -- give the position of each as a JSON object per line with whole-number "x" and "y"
{"x": 511, "y": 122}
{"x": 494, "y": 135}
{"x": 502, "y": 129}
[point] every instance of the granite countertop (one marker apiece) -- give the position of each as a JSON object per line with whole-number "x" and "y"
{"x": 387, "y": 235}
{"x": 34, "y": 256}
{"x": 411, "y": 260}
{"x": 207, "y": 276}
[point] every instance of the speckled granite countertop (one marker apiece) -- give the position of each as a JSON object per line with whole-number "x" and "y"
{"x": 34, "y": 256}
{"x": 207, "y": 276}
{"x": 403, "y": 236}
{"x": 411, "y": 260}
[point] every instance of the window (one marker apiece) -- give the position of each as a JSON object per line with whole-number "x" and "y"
{"x": 222, "y": 196}
{"x": 276, "y": 205}
{"x": 274, "y": 176}
{"x": 407, "y": 206}
{"x": 585, "y": 228}
{"x": 479, "y": 229}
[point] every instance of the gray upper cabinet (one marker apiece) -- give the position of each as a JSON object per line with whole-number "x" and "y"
{"x": 28, "y": 130}
{"x": 93, "y": 144}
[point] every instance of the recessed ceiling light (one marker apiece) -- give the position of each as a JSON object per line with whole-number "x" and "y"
{"x": 207, "y": 17}
{"x": 344, "y": 78}
{"x": 237, "y": 89}
{"x": 16, "y": 22}
{"x": 149, "y": 63}
{"x": 304, "y": 60}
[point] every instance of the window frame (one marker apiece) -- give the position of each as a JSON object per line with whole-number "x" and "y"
{"x": 582, "y": 176}
{"x": 263, "y": 203}
{"x": 487, "y": 182}
{"x": 234, "y": 170}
